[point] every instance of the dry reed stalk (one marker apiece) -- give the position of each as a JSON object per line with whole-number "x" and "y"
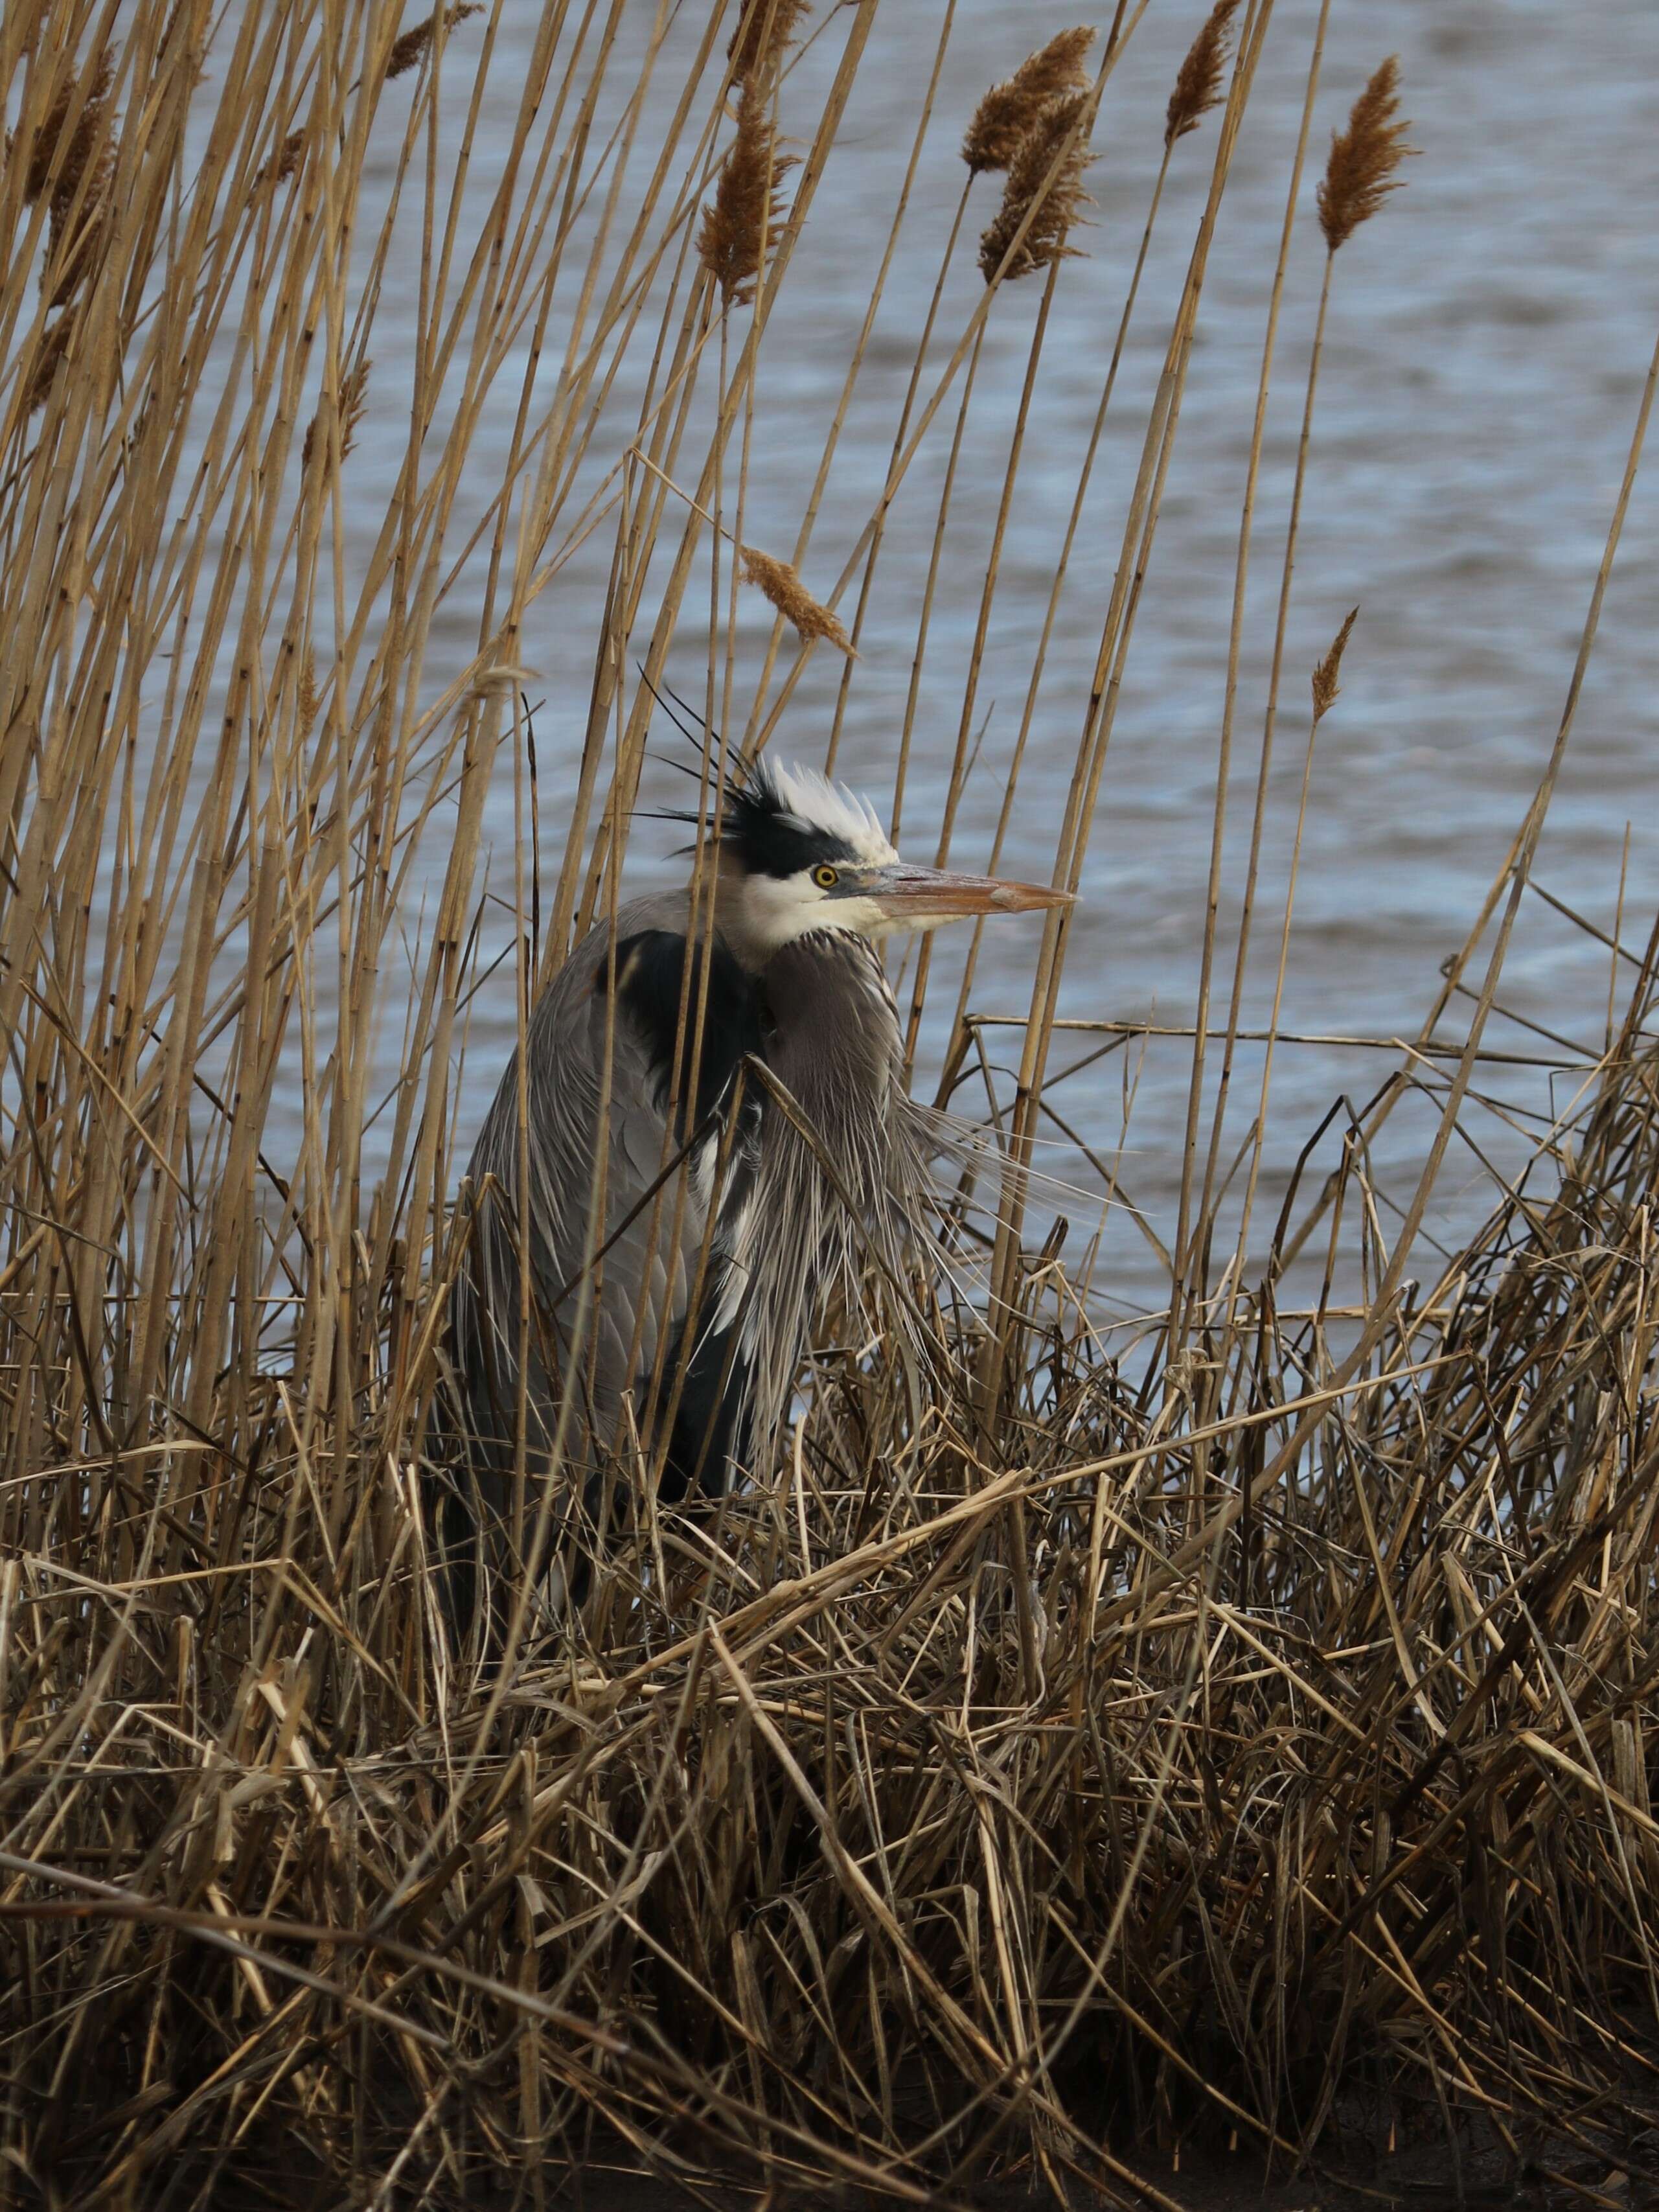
{"x": 1008, "y": 113}
{"x": 855, "y": 368}
{"x": 1198, "y": 80}
{"x": 909, "y": 442}
{"x": 1117, "y": 627}
{"x": 1358, "y": 176}
{"x": 959, "y": 1026}
{"x": 625, "y": 780}
{"x": 663, "y": 418}
{"x": 924, "y": 615}
{"x": 960, "y": 757}
{"x": 1040, "y": 242}
{"x": 1044, "y": 194}
{"x": 1230, "y": 697}
{"x": 1325, "y": 691}
{"x": 878, "y": 531}
{"x": 1046, "y": 137}
{"x": 739, "y": 225}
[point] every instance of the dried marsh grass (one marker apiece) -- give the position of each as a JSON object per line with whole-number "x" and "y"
{"x": 740, "y": 224}
{"x": 284, "y": 162}
{"x": 410, "y": 48}
{"x": 766, "y": 30}
{"x": 48, "y": 359}
{"x": 350, "y": 408}
{"x": 62, "y": 144}
{"x": 1009, "y": 112}
{"x": 1043, "y": 196}
{"x": 1326, "y": 688}
{"x": 1197, "y": 81}
{"x": 1359, "y": 174}
{"x": 1241, "y": 1723}
{"x": 782, "y": 585}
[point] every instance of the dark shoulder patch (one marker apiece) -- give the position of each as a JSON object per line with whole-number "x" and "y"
{"x": 651, "y": 990}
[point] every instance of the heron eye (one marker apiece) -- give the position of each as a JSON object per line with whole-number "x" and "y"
{"x": 826, "y": 877}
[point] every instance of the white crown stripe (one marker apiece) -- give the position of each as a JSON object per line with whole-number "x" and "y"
{"x": 809, "y": 800}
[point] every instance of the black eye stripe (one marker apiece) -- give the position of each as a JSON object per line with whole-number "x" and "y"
{"x": 767, "y": 842}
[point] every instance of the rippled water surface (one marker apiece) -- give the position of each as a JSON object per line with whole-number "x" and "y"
{"x": 1488, "y": 338}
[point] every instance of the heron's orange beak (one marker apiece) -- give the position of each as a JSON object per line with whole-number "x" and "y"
{"x": 915, "y": 895}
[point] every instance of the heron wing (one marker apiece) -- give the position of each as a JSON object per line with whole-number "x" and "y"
{"x": 620, "y": 1130}
{"x": 837, "y": 1211}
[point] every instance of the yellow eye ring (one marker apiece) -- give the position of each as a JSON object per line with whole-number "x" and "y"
{"x": 826, "y": 877}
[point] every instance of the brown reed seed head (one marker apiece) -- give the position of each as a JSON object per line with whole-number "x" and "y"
{"x": 782, "y": 584}
{"x": 1364, "y": 158}
{"x": 354, "y": 400}
{"x": 409, "y": 45}
{"x": 53, "y": 342}
{"x": 1198, "y": 80}
{"x": 310, "y": 698}
{"x": 738, "y": 225}
{"x": 80, "y": 170}
{"x": 1044, "y": 243}
{"x": 765, "y": 28}
{"x": 283, "y": 162}
{"x": 83, "y": 218}
{"x": 1325, "y": 686}
{"x": 46, "y": 172}
{"x": 1010, "y": 110}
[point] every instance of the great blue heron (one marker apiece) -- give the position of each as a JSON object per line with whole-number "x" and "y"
{"x": 713, "y": 1123}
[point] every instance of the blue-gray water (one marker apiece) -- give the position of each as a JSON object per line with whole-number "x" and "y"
{"x": 1488, "y": 337}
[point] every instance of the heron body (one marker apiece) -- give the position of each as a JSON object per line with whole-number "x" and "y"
{"x": 709, "y": 1138}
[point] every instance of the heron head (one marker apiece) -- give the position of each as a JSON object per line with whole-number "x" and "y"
{"x": 808, "y": 855}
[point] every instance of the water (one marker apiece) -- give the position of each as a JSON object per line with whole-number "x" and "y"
{"x": 1487, "y": 341}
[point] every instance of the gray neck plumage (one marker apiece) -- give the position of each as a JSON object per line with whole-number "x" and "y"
{"x": 837, "y": 1204}
{"x": 833, "y": 1040}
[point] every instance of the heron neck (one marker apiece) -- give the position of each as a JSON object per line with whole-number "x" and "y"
{"x": 733, "y": 924}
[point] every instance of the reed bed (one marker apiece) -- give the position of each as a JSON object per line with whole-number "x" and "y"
{"x": 1237, "y": 1727}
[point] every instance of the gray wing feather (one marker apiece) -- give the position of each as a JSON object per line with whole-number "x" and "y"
{"x": 839, "y": 1216}
{"x": 647, "y": 1262}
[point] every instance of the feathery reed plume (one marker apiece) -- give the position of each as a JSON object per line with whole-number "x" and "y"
{"x": 782, "y": 583}
{"x": 44, "y": 172}
{"x": 1364, "y": 158}
{"x": 354, "y": 404}
{"x": 283, "y": 163}
{"x": 53, "y": 342}
{"x": 1045, "y": 241}
{"x": 81, "y": 175}
{"x": 738, "y": 232}
{"x": 310, "y": 698}
{"x": 1198, "y": 80}
{"x": 409, "y": 45}
{"x": 1010, "y": 110}
{"x": 764, "y": 29}
{"x": 354, "y": 401}
{"x": 1325, "y": 686}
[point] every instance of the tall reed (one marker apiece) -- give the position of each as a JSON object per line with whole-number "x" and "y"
{"x": 1141, "y": 1734}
